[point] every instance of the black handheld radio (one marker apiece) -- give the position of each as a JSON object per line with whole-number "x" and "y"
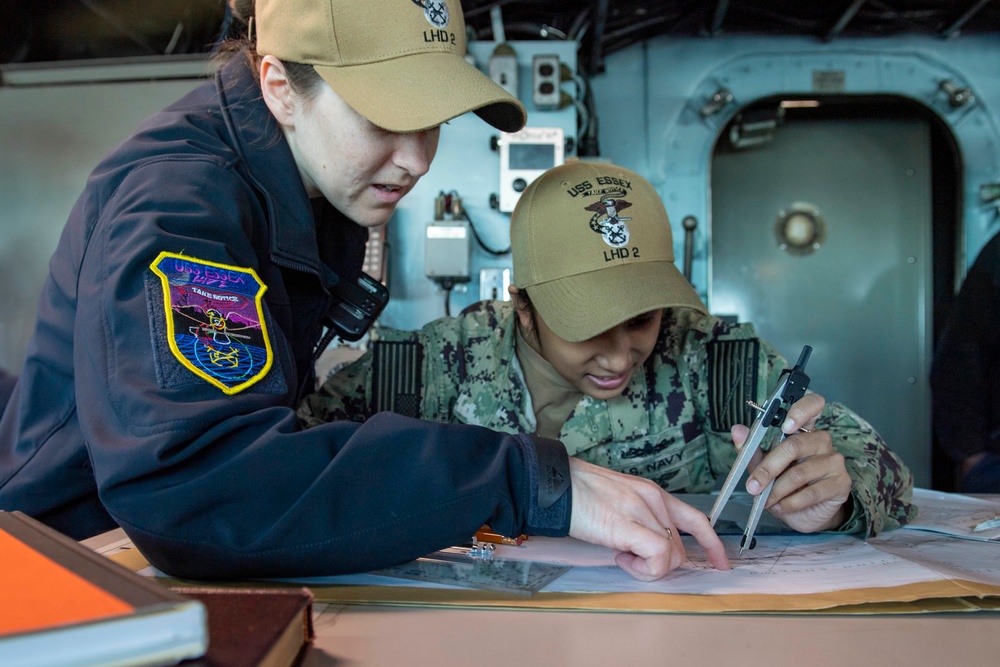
{"x": 356, "y": 306}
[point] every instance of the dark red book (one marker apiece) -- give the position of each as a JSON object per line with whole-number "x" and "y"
{"x": 254, "y": 627}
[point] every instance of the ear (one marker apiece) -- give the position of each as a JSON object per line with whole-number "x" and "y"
{"x": 523, "y": 312}
{"x": 277, "y": 91}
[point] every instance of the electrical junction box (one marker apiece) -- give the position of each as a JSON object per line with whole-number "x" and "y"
{"x": 546, "y": 79}
{"x": 524, "y": 156}
{"x": 448, "y": 251}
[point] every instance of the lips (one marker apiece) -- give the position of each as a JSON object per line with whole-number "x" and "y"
{"x": 388, "y": 193}
{"x": 608, "y": 383}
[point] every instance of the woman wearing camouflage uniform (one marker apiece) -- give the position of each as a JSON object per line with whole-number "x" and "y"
{"x": 606, "y": 348}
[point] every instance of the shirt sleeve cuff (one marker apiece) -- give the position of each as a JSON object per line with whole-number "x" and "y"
{"x": 857, "y": 519}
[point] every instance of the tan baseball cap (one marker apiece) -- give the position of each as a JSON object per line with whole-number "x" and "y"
{"x": 399, "y": 63}
{"x": 592, "y": 247}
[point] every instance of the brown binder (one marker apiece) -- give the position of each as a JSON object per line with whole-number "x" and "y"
{"x": 251, "y": 627}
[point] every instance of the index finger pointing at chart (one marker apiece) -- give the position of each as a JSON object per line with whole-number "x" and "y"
{"x": 695, "y": 523}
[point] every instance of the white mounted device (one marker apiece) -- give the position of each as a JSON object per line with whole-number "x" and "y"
{"x": 448, "y": 250}
{"x": 524, "y": 156}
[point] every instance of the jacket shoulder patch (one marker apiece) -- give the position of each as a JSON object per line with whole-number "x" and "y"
{"x": 215, "y": 323}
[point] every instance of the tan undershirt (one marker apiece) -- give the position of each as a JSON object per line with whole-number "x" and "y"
{"x": 552, "y": 397}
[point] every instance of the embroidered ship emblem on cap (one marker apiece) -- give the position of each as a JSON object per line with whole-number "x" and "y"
{"x": 436, "y": 13}
{"x": 215, "y": 320}
{"x": 608, "y": 223}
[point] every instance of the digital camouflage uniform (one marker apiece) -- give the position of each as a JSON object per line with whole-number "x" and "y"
{"x": 670, "y": 425}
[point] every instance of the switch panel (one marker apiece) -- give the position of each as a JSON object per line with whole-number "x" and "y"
{"x": 503, "y": 68}
{"x": 493, "y": 284}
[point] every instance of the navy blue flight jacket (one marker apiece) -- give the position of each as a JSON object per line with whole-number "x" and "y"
{"x": 108, "y": 425}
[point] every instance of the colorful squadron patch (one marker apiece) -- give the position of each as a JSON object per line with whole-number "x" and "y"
{"x": 215, "y": 320}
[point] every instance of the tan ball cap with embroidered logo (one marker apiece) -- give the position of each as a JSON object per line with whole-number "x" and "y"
{"x": 593, "y": 248}
{"x": 399, "y": 63}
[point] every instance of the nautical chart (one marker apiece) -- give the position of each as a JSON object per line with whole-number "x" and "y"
{"x": 782, "y": 563}
{"x": 790, "y": 565}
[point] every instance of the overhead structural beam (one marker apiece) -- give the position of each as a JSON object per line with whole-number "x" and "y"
{"x": 953, "y": 29}
{"x": 844, "y": 19}
{"x": 600, "y": 25}
{"x": 721, "y": 7}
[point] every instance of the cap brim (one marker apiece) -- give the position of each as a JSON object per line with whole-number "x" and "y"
{"x": 582, "y": 306}
{"x": 423, "y": 90}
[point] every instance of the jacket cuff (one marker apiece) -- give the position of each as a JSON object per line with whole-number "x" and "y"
{"x": 550, "y": 492}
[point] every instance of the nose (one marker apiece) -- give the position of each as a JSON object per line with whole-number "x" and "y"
{"x": 616, "y": 355}
{"x": 415, "y": 151}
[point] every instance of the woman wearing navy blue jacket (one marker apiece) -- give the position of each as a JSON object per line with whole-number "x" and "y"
{"x": 176, "y": 330}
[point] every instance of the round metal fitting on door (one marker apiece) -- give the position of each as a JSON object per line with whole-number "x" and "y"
{"x": 800, "y": 230}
